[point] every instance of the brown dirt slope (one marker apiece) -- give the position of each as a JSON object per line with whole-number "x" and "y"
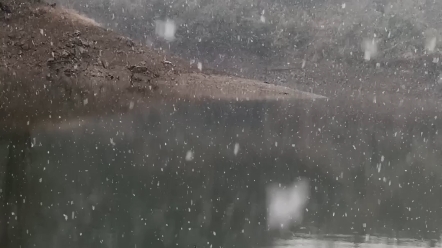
{"x": 55, "y": 62}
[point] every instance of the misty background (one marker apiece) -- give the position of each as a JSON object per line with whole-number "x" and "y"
{"x": 287, "y": 42}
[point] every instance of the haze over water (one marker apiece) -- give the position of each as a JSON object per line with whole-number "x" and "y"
{"x": 128, "y": 180}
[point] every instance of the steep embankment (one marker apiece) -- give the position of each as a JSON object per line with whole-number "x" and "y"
{"x": 57, "y": 63}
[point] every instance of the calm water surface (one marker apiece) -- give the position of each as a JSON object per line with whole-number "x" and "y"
{"x": 185, "y": 175}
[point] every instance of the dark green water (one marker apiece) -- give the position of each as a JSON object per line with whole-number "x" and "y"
{"x": 185, "y": 175}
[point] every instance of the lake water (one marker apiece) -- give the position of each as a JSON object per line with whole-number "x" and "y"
{"x": 215, "y": 174}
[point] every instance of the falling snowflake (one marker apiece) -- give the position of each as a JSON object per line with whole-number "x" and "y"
{"x": 236, "y": 149}
{"x": 263, "y": 18}
{"x": 166, "y": 29}
{"x": 430, "y": 44}
{"x": 286, "y": 205}
{"x": 370, "y": 48}
{"x": 189, "y": 155}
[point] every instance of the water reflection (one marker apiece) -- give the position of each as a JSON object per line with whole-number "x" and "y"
{"x": 126, "y": 181}
{"x": 349, "y": 241}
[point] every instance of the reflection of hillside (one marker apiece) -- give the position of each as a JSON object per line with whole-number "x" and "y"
{"x": 139, "y": 189}
{"x": 14, "y": 190}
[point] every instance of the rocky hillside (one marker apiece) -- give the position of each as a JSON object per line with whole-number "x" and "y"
{"x": 57, "y": 63}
